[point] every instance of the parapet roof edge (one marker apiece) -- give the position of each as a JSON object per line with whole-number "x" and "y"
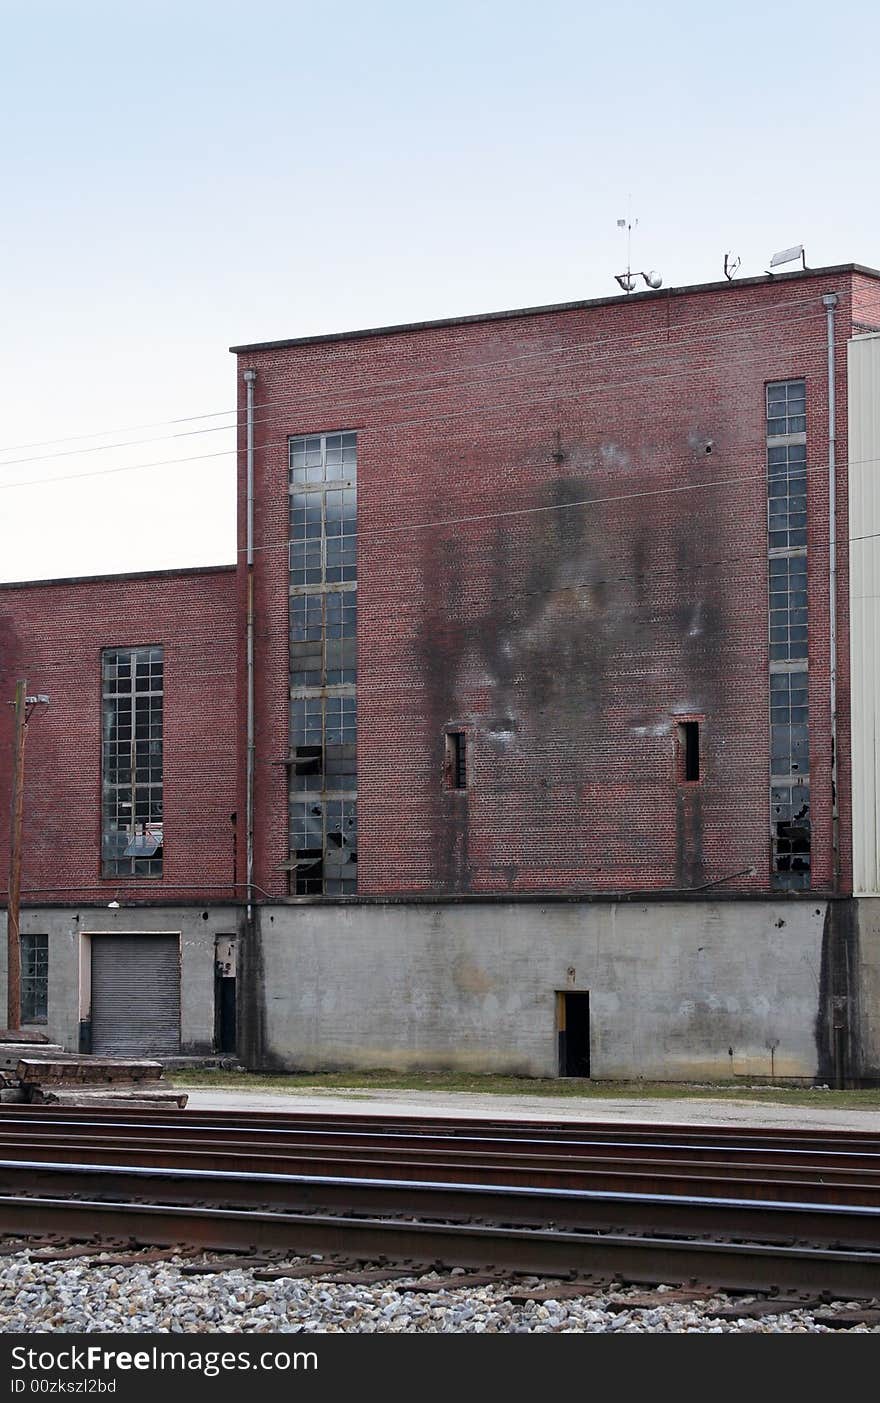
{"x": 127, "y": 577}
{"x": 648, "y": 296}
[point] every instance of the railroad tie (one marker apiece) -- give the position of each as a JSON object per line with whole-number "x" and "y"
{"x": 301, "y": 1270}
{"x": 565, "y": 1291}
{"x": 753, "y": 1310}
{"x": 650, "y": 1300}
{"x": 456, "y": 1283}
{"x": 845, "y": 1319}
{"x": 231, "y": 1263}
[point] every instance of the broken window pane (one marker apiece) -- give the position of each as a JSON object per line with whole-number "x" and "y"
{"x": 790, "y": 812}
{"x": 788, "y": 625}
{"x": 132, "y": 762}
{"x": 323, "y": 663}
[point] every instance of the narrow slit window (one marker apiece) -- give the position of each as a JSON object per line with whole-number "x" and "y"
{"x": 456, "y": 760}
{"x": 689, "y": 750}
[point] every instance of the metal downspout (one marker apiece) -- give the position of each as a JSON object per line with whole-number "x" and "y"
{"x": 829, "y": 302}
{"x": 250, "y": 377}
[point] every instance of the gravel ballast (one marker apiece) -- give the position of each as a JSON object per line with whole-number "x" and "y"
{"x": 71, "y": 1297}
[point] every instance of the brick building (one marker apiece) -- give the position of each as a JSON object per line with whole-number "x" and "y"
{"x": 110, "y": 771}
{"x": 550, "y": 750}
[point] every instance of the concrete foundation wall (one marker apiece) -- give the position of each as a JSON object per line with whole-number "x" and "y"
{"x": 69, "y": 974}
{"x": 677, "y": 990}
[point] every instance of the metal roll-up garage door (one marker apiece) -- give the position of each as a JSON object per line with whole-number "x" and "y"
{"x": 136, "y": 995}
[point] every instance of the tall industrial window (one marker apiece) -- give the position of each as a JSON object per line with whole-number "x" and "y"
{"x": 323, "y": 665}
{"x": 132, "y": 830}
{"x": 34, "y": 978}
{"x": 787, "y": 548}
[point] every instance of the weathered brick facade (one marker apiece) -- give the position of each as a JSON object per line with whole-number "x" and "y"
{"x": 562, "y": 521}
{"x": 53, "y": 634}
{"x": 562, "y": 550}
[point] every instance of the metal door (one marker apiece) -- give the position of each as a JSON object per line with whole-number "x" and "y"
{"x": 136, "y": 995}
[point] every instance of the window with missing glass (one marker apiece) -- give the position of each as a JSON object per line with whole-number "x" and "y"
{"x": 323, "y": 664}
{"x": 34, "y": 979}
{"x": 132, "y": 842}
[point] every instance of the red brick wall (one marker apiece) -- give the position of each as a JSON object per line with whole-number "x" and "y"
{"x": 53, "y": 635}
{"x": 866, "y": 303}
{"x": 566, "y": 638}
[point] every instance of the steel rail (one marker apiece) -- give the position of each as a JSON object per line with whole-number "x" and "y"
{"x": 629, "y": 1257}
{"x": 837, "y": 1152}
{"x": 768, "y": 1220}
{"x": 469, "y": 1127}
{"x": 753, "y": 1180}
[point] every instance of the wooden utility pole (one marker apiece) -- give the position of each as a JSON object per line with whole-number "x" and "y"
{"x": 13, "y": 956}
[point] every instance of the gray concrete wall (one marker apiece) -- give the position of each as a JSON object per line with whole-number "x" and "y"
{"x": 197, "y": 927}
{"x": 673, "y": 986}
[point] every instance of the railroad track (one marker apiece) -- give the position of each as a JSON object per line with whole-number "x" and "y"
{"x": 763, "y": 1211}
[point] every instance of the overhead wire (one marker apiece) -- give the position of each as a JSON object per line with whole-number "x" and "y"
{"x": 662, "y": 333}
{"x": 554, "y": 397}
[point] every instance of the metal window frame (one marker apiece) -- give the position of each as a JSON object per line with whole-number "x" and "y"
{"x": 34, "y": 977}
{"x": 795, "y": 659}
{"x": 322, "y": 789}
{"x": 147, "y": 867}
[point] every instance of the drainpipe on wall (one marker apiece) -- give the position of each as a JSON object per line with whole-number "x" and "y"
{"x": 250, "y": 377}
{"x": 829, "y": 302}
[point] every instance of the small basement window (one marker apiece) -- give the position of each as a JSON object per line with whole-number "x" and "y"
{"x": 34, "y": 978}
{"x": 456, "y": 765}
{"x": 689, "y": 751}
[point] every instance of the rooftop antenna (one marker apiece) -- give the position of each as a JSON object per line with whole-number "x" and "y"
{"x": 788, "y": 255}
{"x": 628, "y": 280}
{"x": 732, "y": 263}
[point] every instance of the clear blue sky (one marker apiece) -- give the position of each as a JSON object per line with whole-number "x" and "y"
{"x": 177, "y": 178}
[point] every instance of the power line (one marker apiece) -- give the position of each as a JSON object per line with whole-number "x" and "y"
{"x": 545, "y": 352}
{"x": 342, "y": 397}
{"x": 556, "y": 397}
{"x": 188, "y": 638}
{"x": 553, "y": 506}
{"x": 564, "y": 506}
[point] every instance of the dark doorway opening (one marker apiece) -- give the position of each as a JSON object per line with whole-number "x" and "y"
{"x": 226, "y": 1015}
{"x": 225, "y": 952}
{"x": 573, "y": 1031}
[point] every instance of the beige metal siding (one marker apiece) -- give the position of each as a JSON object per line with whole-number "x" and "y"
{"x": 864, "y": 582}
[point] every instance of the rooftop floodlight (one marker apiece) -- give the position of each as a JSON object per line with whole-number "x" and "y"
{"x": 628, "y": 280}
{"x": 788, "y": 255}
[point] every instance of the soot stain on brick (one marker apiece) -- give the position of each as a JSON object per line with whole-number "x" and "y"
{"x": 690, "y": 870}
{"x": 698, "y": 621}
{"x": 442, "y": 646}
{"x": 562, "y": 600}
{"x": 546, "y": 645}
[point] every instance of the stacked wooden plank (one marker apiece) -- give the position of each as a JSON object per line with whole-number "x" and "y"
{"x": 46, "y": 1074}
